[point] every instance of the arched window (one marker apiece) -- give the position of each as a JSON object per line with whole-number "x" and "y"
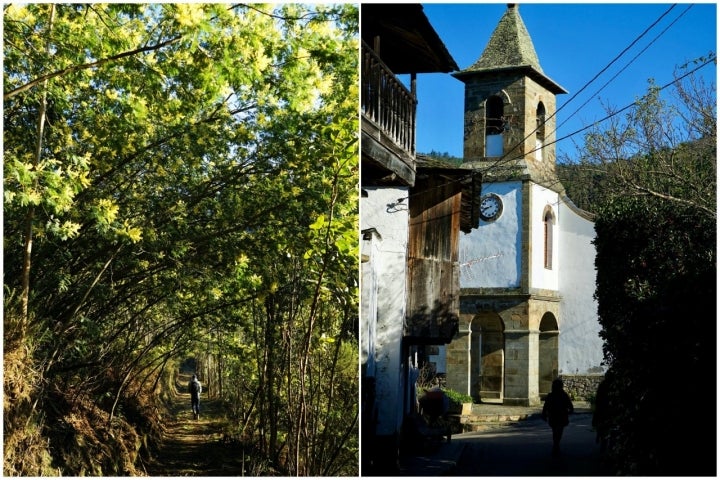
{"x": 494, "y": 126}
{"x": 548, "y": 223}
{"x": 540, "y": 132}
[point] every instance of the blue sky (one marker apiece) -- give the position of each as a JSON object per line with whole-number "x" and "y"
{"x": 574, "y": 42}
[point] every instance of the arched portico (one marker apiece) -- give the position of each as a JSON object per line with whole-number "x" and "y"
{"x": 548, "y": 353}
{"x": 487, "y": 359}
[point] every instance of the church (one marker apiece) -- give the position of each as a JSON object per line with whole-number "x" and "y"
{"x": 527, "y": 274}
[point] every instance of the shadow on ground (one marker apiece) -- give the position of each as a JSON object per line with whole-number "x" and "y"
{"x": 194, "y": 447}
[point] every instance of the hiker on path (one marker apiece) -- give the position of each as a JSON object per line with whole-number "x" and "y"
{"x": 555, "y": 411}
{"x": 195, "y": 390}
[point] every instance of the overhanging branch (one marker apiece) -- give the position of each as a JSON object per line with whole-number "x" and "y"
{"x": 75, "y": 68}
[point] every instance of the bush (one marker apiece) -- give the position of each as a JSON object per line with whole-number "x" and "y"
{"x": 656, "y": 292}
{"x": 457, "y": 398}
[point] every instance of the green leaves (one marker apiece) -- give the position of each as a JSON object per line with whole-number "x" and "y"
{"x": 665, "y": 147}
{"x": 192, "y": 155}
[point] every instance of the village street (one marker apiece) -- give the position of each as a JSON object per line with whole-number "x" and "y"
{"x": 520, "y": 449}
{"x": 524, "y": 449}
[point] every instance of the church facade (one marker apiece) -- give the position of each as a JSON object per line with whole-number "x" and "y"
{"x": 527, "y": 273}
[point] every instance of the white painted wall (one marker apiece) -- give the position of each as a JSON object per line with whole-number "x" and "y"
{"x": 490, "y": 254}
{"x": 541, "y": 277}
{"x": 580, "y": 344}
{"x": 390, "y": 263}
{"x": 490, "y": 257}
{"x": 439, "y": 360}
{"x": 368, "y": 307}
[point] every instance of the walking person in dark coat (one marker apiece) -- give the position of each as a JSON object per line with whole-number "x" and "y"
{"x": 195, "y": 390}
{"x": 556, "y": 410}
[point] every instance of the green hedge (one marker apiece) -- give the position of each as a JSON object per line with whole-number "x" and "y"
{"x": 656, "y": 292}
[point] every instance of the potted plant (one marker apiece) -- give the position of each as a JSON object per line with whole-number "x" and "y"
{"x": 459, "y": 402}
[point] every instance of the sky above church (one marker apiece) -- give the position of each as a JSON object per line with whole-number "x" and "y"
{"x": 574, "y": 43}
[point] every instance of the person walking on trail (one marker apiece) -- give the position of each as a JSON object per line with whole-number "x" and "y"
{"x": 195, "y": 390}
{"x": 556, "y": 412}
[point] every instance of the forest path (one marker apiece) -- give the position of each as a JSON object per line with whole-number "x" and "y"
{"x": 194, "y": 447}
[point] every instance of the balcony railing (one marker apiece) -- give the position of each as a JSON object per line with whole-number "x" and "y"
{"x": 387, "y": 102}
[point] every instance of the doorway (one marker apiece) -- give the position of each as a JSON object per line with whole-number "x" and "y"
{"x": 487, "y": 364}
{"x": 548, "y": 351}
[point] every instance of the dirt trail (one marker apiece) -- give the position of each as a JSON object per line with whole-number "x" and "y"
{"x": 194, "y": 447}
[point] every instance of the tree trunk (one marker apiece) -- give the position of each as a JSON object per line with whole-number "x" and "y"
{"x": 30, "y": 217}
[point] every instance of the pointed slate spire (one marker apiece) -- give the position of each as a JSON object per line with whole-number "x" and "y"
{"x": 510, "y": 48}
{"x": 510, "y": 45}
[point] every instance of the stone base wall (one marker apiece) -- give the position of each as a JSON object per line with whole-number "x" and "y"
{"x": 581, "y": 387}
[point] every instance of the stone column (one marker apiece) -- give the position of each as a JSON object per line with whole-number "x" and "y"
{"x": 521, "y": 368}
{"x": 457, "y": 357}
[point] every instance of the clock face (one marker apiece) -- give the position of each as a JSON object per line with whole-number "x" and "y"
{"x": 490, "y": 207}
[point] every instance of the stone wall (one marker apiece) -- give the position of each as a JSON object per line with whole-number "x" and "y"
{"x": 581, "y": 387}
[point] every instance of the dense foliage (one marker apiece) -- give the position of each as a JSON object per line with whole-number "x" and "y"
{"x": 656, "y": 290}
{"x": 181, "y": 179}
{"x": 650, "y": 177}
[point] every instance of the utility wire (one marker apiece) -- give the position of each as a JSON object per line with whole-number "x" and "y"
{"x": 607, "y": 117}
{"x": 587, "y": 84}
{"x": 623, "y": 69}
{"x": 626, "y": 107}
{"x": 636, "y": 102}
{"x": 504, "y": 159}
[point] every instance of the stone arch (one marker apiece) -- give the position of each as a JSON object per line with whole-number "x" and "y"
{"x": 487, "y": 357}
{"x": 548, "y": 353}
{"x": 494, "y": 126}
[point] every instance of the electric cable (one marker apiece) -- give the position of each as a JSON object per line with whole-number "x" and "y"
{"x": 607, "y": 117}
{"x": 503, "y": 158}
{"x": 587, "y": 84}
{"x": 622, "y": 69}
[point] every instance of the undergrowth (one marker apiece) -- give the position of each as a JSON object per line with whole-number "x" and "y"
{"x": 26, "y": 450}
{"x": 51, "y": 431}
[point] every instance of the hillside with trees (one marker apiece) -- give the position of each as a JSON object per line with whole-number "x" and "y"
{"x": 180, "y": 191}
{"x": 650, "y": 178}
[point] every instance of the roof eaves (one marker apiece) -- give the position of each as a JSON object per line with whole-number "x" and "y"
{"x": 528, "y": 70}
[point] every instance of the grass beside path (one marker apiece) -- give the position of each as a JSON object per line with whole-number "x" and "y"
{"x": 194, "y": 447}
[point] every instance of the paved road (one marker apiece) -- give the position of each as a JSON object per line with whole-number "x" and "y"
{"x": 524, "y": 449}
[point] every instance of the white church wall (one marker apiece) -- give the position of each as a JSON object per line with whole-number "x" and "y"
{"x": 580, "y": 350}
{"x": 541, "y": 277}
{"x": 390, "y": 263}
{"x": 490, "y": 254}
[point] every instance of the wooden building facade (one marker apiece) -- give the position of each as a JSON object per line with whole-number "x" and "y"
{"x": 412, "y": 213}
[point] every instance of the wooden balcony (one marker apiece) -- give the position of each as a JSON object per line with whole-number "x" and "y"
{"x": 388, "y": 117}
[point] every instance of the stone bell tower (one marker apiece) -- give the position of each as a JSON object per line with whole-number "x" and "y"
{"x": 507, "y": 349}
{"x": 510, "y": 106}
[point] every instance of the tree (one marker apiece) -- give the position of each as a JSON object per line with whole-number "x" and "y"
{"x": 163, "y": 164}
{"x": 662, "y": 147}
{"x": 651, "y": 179}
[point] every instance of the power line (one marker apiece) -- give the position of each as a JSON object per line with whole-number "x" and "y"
{"x": 587, "y": 84}
{"x": 607, "y": 117}
{"x": 624, "y": 68}
{"x": 636, "y": 102}
{"x": 626, "y": 107}
{"x": 504, "y": 158}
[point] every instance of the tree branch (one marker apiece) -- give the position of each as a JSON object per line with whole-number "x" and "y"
{"x": 84, "y": 66}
